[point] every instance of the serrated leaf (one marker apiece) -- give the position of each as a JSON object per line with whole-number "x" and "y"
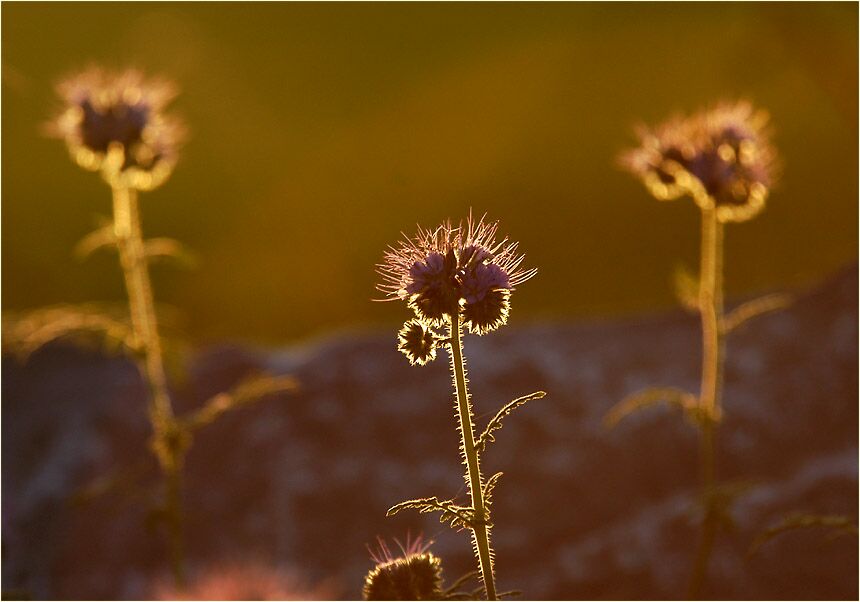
{"x": 488, "y": 489}
{"x": 457, "y": 516}
{"x": 647, "y": 398}
{"x": 841, "y": 525}
{"x": 756, "y": 307}
{"x": 247, "y": 391}
{"x": 496, "y": 423}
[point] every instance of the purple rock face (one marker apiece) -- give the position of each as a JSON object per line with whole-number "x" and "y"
{"x": 303, "y": 481}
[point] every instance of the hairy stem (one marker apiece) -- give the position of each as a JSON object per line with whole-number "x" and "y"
{"x": 711, "y": 309}
{"x": 480, "y": 532}
{"x": 129, "y": 240}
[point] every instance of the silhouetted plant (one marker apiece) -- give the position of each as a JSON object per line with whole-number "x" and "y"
{"x": 451, "y": 277}
{"x": 114, "y": 124}
{"x": 414, "y": 574}
{"x": 723, "y": 159}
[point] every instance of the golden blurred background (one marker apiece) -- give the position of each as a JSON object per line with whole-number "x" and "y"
{"x": 320, "y": 131}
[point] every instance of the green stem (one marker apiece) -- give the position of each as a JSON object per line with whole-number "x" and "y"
{"x": 480, "y": 532}
{"x": 129, "y": 240}
{"x": 713, "y": 351}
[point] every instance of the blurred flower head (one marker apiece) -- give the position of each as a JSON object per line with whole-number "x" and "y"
{"x": 114, "y": 123}
{"x": 452, "y": 268}
{"x": 245, "y": 580}
{"x": 722, "y": 157}
{"x": 414, "y": 575}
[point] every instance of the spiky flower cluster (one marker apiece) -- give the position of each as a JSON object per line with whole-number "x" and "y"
{"x": 451, "y": 270}
{"x": 722, "y": 157}
{"x": 415, "y": 575}
{"x": 113, "y": 123}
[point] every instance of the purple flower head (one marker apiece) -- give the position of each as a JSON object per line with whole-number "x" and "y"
{"x": 426, "y": 274}
{"x": 454, "y": 269}
{"x": 481, "y": 280}
{"x": 722, "y": 157}
{"x": 114, "y": 122}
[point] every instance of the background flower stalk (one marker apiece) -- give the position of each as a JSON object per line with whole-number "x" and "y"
{"x": 713, "y": 354}
{"x": 721, "y": 158}
{"x": 113, "y": 123}
{"x": 168, "y": 443}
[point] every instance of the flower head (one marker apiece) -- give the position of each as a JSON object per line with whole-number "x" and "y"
{"x": 415, "y": 575}
{"x": 722, "y": 157}
{"x": 114, "y": 123}
{"x": 417, "y": 342}
{"x": 242, "y": 580}
{"x": 451, "y": 269}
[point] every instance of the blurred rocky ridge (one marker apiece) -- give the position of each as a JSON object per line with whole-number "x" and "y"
{"x": 302, "y": 482}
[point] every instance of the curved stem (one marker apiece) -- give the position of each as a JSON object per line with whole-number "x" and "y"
{"x": 713, "y": 348}
{"x": 480, "y": 532}
{"x": 129, "y": 240}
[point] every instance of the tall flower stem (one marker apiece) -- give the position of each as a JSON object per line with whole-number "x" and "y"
{"x": 166, "y": 438}
{"x": 713, "y": 348}
{"x": 480, "y": 531}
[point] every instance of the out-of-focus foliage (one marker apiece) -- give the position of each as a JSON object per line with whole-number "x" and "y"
{"x": 836, "y": 526}
{"x": 317, "y": 130}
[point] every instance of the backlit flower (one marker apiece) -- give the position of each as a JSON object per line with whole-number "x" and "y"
{"x": 417, "y": 342}
{"x": 722, "y": 157}
{"x": 416, "y": 575}
{"x": 452, "y": 269}
{"x": 114, "y": 123}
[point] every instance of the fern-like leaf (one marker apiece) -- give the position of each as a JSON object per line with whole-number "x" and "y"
{"x": 246, "y": 392}
{"x": 839, "y": 526}
{"x": 456, "y": 516}
{"x": 496, "y": 423}
{"x": 649, "y": 397}
{"x": 756, "y": 307}
{"x": 489, "y": 486}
